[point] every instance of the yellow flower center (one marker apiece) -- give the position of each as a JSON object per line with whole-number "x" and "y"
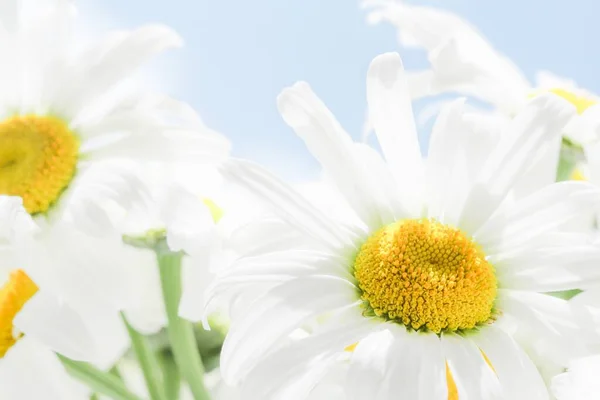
{"x": 13, "y": 296}
{"x": 581, "y": 103}
{"x": 38, "y": 159}
{"x": 426, "y": 275}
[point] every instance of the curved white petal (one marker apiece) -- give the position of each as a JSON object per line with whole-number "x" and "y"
{"x": 541, "y": 212}
{"x": 518, "y": 376}
{"x": 195, "y": 279}
{"x": 111, "y": 61}
{"x": 276, "y": 314}
{"x": 390, "y": 112}
{"x": 190, "y": 225}
{"x": 462, "y": 59}
{"x": 549, "y": 268}
{"x": 333, "y": 148}
{"x": 56, "y": 325}
{"x": 473, "y": 377}
{"x": 524, "y": 142}
{"x": 557, "y": 319}
{"x": 456, "y": 147}
{"x": 580, "y": 381}
{"x": 286, "y": 202}
{"x": 14, "y": 219}
{"x": 89, "y": 273}
{"x": 292, "y": 371}
{"x": 100, "y": 197}
{"x": 417, "y": 367}
{"x": 368, "y": 365}
{"x": 31, "y": 370}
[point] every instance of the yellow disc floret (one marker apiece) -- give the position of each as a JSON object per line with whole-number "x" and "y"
{"x": 13, "y": 296}
{"x": 426, "y": 275}
{"x": 38, "y": 159}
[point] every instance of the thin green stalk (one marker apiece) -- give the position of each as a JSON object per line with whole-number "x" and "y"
{"x": 148, "y": 361}
{"x": 171, "y": 375}
{"x": 180, "y": 331}
{"x": 99, "y": 381}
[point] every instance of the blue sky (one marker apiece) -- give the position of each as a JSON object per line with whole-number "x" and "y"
{"x": 240, "y": 54}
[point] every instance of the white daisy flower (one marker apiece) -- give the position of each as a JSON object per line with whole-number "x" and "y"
{"x": 464, "y": 62}
{"x": 67, "y": 120}
{"x": 436, "y": 284}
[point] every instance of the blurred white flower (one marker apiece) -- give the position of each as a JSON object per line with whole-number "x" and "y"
{"x": 69, "y": 127}
{"x": 463, "y": 61}
{"x": 434, "y": 284}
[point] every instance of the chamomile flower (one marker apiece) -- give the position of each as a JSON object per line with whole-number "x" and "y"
{"x": 435, "y": 285}
{"x": 68, "y": 120}
{"x": 464, "y": 62}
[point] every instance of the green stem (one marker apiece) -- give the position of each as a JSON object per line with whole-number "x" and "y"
{"x": 171, "y": 374}
{"x": 180, "y": 331}
{"x": 99, "y": 381}
{"x": 148, "y": 362}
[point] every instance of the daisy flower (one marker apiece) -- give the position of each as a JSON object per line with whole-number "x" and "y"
{"x": 68, "y": 120}
{"x": 463, "y": 61}
{"x": 436, "y": 285}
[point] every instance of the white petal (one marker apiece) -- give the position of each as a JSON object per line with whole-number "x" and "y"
{"x": 110, "y": 336}
{"x": 112, "y": 61}
{"x": 89, "y": 273}
{"x": 275, "y": 235}
{"x": 390, "y": 112}
{"x": 190, "y": 225}
{"x": 333, "y": 148}
{"x": 280, "y": 311}
{"x": 100, "y": 197}
{"x": 417, "y": 367}
{"x": 549, "y": 324}
{"x": 538, "y": 213}
{"x": 526, "y": 139}
{"x": 32, "y": 371}
{"x": 196, "y": 277}
{"x": 517, "y": 374}
{"x": 462, "y": 60}
{"x": 368, "y": 365}
{"x": 292, "y": 371}
{"x": 580, "y": 381}
{"x": 58, "y": 326}
{"x": 14, "y": 219}
{"x": 550, "y": 268}
{"x": 147, "y": 315}
{"x": 457, "y": 147}
{"x": 286, "y": 202}
{"x": 473, "y": 377}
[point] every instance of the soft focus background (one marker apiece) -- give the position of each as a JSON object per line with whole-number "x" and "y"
{"x": 240, "y": 54}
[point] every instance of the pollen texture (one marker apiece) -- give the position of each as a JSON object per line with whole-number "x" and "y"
{"x": 426, "y": 276}
{"x": 38, "y": 159}
{"x": 13, "y": 296}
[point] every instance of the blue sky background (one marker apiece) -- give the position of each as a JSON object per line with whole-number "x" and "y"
{"x": 240, "y": 54}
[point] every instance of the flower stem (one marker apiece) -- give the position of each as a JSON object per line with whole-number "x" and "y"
{"x": 148, "y": 361}
{"x": 100, "y": 381}
{"x": 180, "y": 331}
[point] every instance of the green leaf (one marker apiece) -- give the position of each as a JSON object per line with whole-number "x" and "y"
{"x": 99, "y": 381}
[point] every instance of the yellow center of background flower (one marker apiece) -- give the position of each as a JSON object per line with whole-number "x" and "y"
{"x": 13, "y": 296}
{"x": 426, "y": 275}
{"x": 38, "y": 159}
{"x": 581, "y": 103}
